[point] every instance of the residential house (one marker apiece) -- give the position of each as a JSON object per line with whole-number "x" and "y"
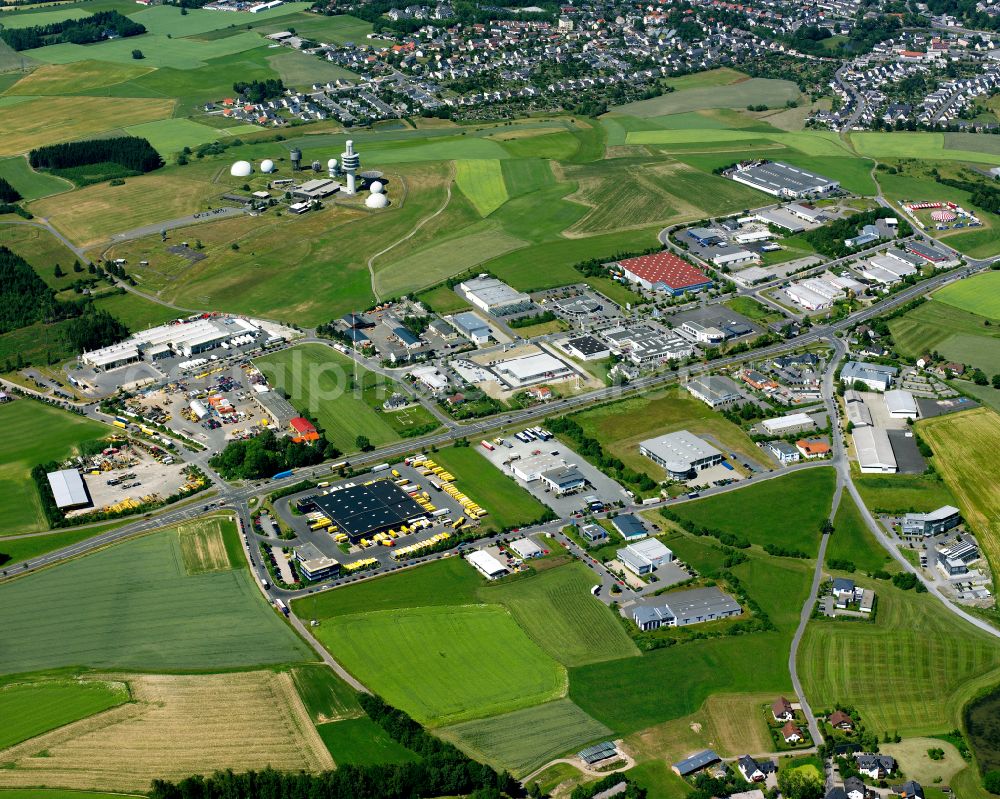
{"x": 909, "y": 790}
{"x": 782, "y": 710}
{"x": 754, "y": 771}
{"x": 841, "y": 721}
{"x": 876, "y": 766}
{"x": 791, "y": 733}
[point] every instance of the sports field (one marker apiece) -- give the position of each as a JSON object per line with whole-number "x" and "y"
{"x": 556, "y": 609}
{"x": 979, "y": 294}
{"x": 48, "y": 120}
{"x": 523, "y": 740}
{"x": 786, "y": 511}
{"x": 910, "y": 671}
{"x": 508, "y": 504}
{"x": 482, "y": 182}
{"x": 445, "y": 664}
{"x": 31, "y": 708}
{"x": 134, "y": 606}
{"x": 954, "y": 332}
{"x": 320, "y": 382}
{"x": 852, "y": 541}
{"x": 35, "y": 433}
{"x": 965, "y": 449}
{"x": 176, "y": 726}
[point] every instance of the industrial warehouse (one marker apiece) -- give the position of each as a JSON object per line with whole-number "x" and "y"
{"x": 680, "y": 453}
{"x": 665, "y": 272}
{"x": 782, "y": 180}
{"x": 362, "y": 511}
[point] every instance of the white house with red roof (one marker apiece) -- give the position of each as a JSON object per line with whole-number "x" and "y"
{"x": 663, "y": 271}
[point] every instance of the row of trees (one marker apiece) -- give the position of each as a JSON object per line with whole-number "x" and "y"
{"x": 591, "y": 449}
{"x": 257, "y": 91}
{"x": 984, "y": 196}
{"x": 93, "y": 28}
{"x": 131, "y": 152}
{"x": 8, "y": 193}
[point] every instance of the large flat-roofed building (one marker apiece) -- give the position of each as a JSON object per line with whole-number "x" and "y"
{"x": 68, "y": 489}
{"x": 586, "y": 348}
{"x": 900, "y": 404}
{"x": 644, "y": 345}
{"x": 874, "y": 450}
{"x": 873, "y": 375}
{"x": 486, "y": 564}
{"x": 313, "y": 564}
{"x": 472, "y": 327}
{"x": 927, "y": 252}
{"x": 783, "y": 180}
{"x": 644, "y": 557}
{"x": 629, "y": 527}
{"x": 792, "y": 423}
{"x": 695, "y": 763}
{"x": 492, "y": 295}
{"x": 713, "y": 391}
{"x": 780, "y": 217}
{"x": 938, "y": 521}
{"x": 530, "y": 369}
{"x": 316, "y": 189}
{"x": 564, "y": 480}
{"x": 683, "y": 608}
{"x": 664, "y": 271}
{"x": 361, "y": 511}
{"x": 680, "y": 453}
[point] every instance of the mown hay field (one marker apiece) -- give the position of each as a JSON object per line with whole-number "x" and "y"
{"x": 526, "y": 739}
{"x": 445, "y": 664}
{"x": 177, "y": 726}
{"x": 47, "y": 120}
{"x": 910, "y": 671}
{"x": 965, "y": 449}
{"x": 78, "y": 78}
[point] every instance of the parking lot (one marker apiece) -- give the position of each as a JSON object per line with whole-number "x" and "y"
{"x": 129, "y": 473}
{"x": 553, "y": 453}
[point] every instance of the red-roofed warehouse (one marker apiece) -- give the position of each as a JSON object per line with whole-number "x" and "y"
{"x": 663, "y": 271}
{"x": 301, "y": 426}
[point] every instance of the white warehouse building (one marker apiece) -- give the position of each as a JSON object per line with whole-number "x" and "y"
{"x": 680, "y": 453}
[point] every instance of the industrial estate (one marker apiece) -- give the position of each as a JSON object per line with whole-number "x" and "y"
{"x": 458, "y": 400}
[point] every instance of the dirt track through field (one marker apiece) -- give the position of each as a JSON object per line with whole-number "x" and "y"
{"x": 177, "y": 726}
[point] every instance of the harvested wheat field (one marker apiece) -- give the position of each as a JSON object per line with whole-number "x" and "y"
{"x": 177, "y": 726}
{"x": 203, "y": 549}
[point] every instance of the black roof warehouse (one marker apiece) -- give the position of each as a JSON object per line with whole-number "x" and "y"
{"x": 361, "y": 511}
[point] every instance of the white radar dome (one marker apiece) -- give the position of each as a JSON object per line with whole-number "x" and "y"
{"x": 267, "y": 166}
{"x": 241, "y": 169}
{"x": 376, "y": 187}
{"x": 331, "y": 164}
{"x": 377, "y": 201}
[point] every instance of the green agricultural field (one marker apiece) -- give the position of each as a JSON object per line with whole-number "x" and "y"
{"x": 787, "y": 511}
{"x": 481, "y": 180}
{"x": 320, "y": 382}
{"x": 35, "y": 433}
{"x": 135, "y": 312}
{"x": 15, "y": 20}
{"x": 299, "y": 70}
{"x": 56, "y": 793}
{"x": 361, "y": 742}
{"x": 508, "y": 504}
{"x": 170, "y": 136}
{"x": 169, "y": 20}
{"x": 965, "y": 447}
{"x": 902, "y": 493}
{"x": 954, "y": 332}
{"x": 31, "y": 184}
{"x": 417, "y": 270}
{"x": 29, "y": 709}
{"x": 337, "y": 30}
{"x": 526, "y": 739}
{"x": 83, "y": 77}
{"x": 979, "y": 294}
{"x": 676, "y": 680}
{"x": 526, "y": 175}
{"x": 19, "y": 548}
{"x": 924, "y": 146}
{"x": 853, "y": 541}
{"x": 326, "y": 696}
{"x": 443, "y": 300}
{"x": 971, "y": 141}
{"x": 158, "y": 50}
{"x": 754, "y": 91}
{"x": 556, "y": 609}
{"x": 910, "y": 672}
{"x": 445, "y": 664}
{"x": 622, "y": 425}
{"x": 450, "y": 581}
{"x": 134, "y": 606}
